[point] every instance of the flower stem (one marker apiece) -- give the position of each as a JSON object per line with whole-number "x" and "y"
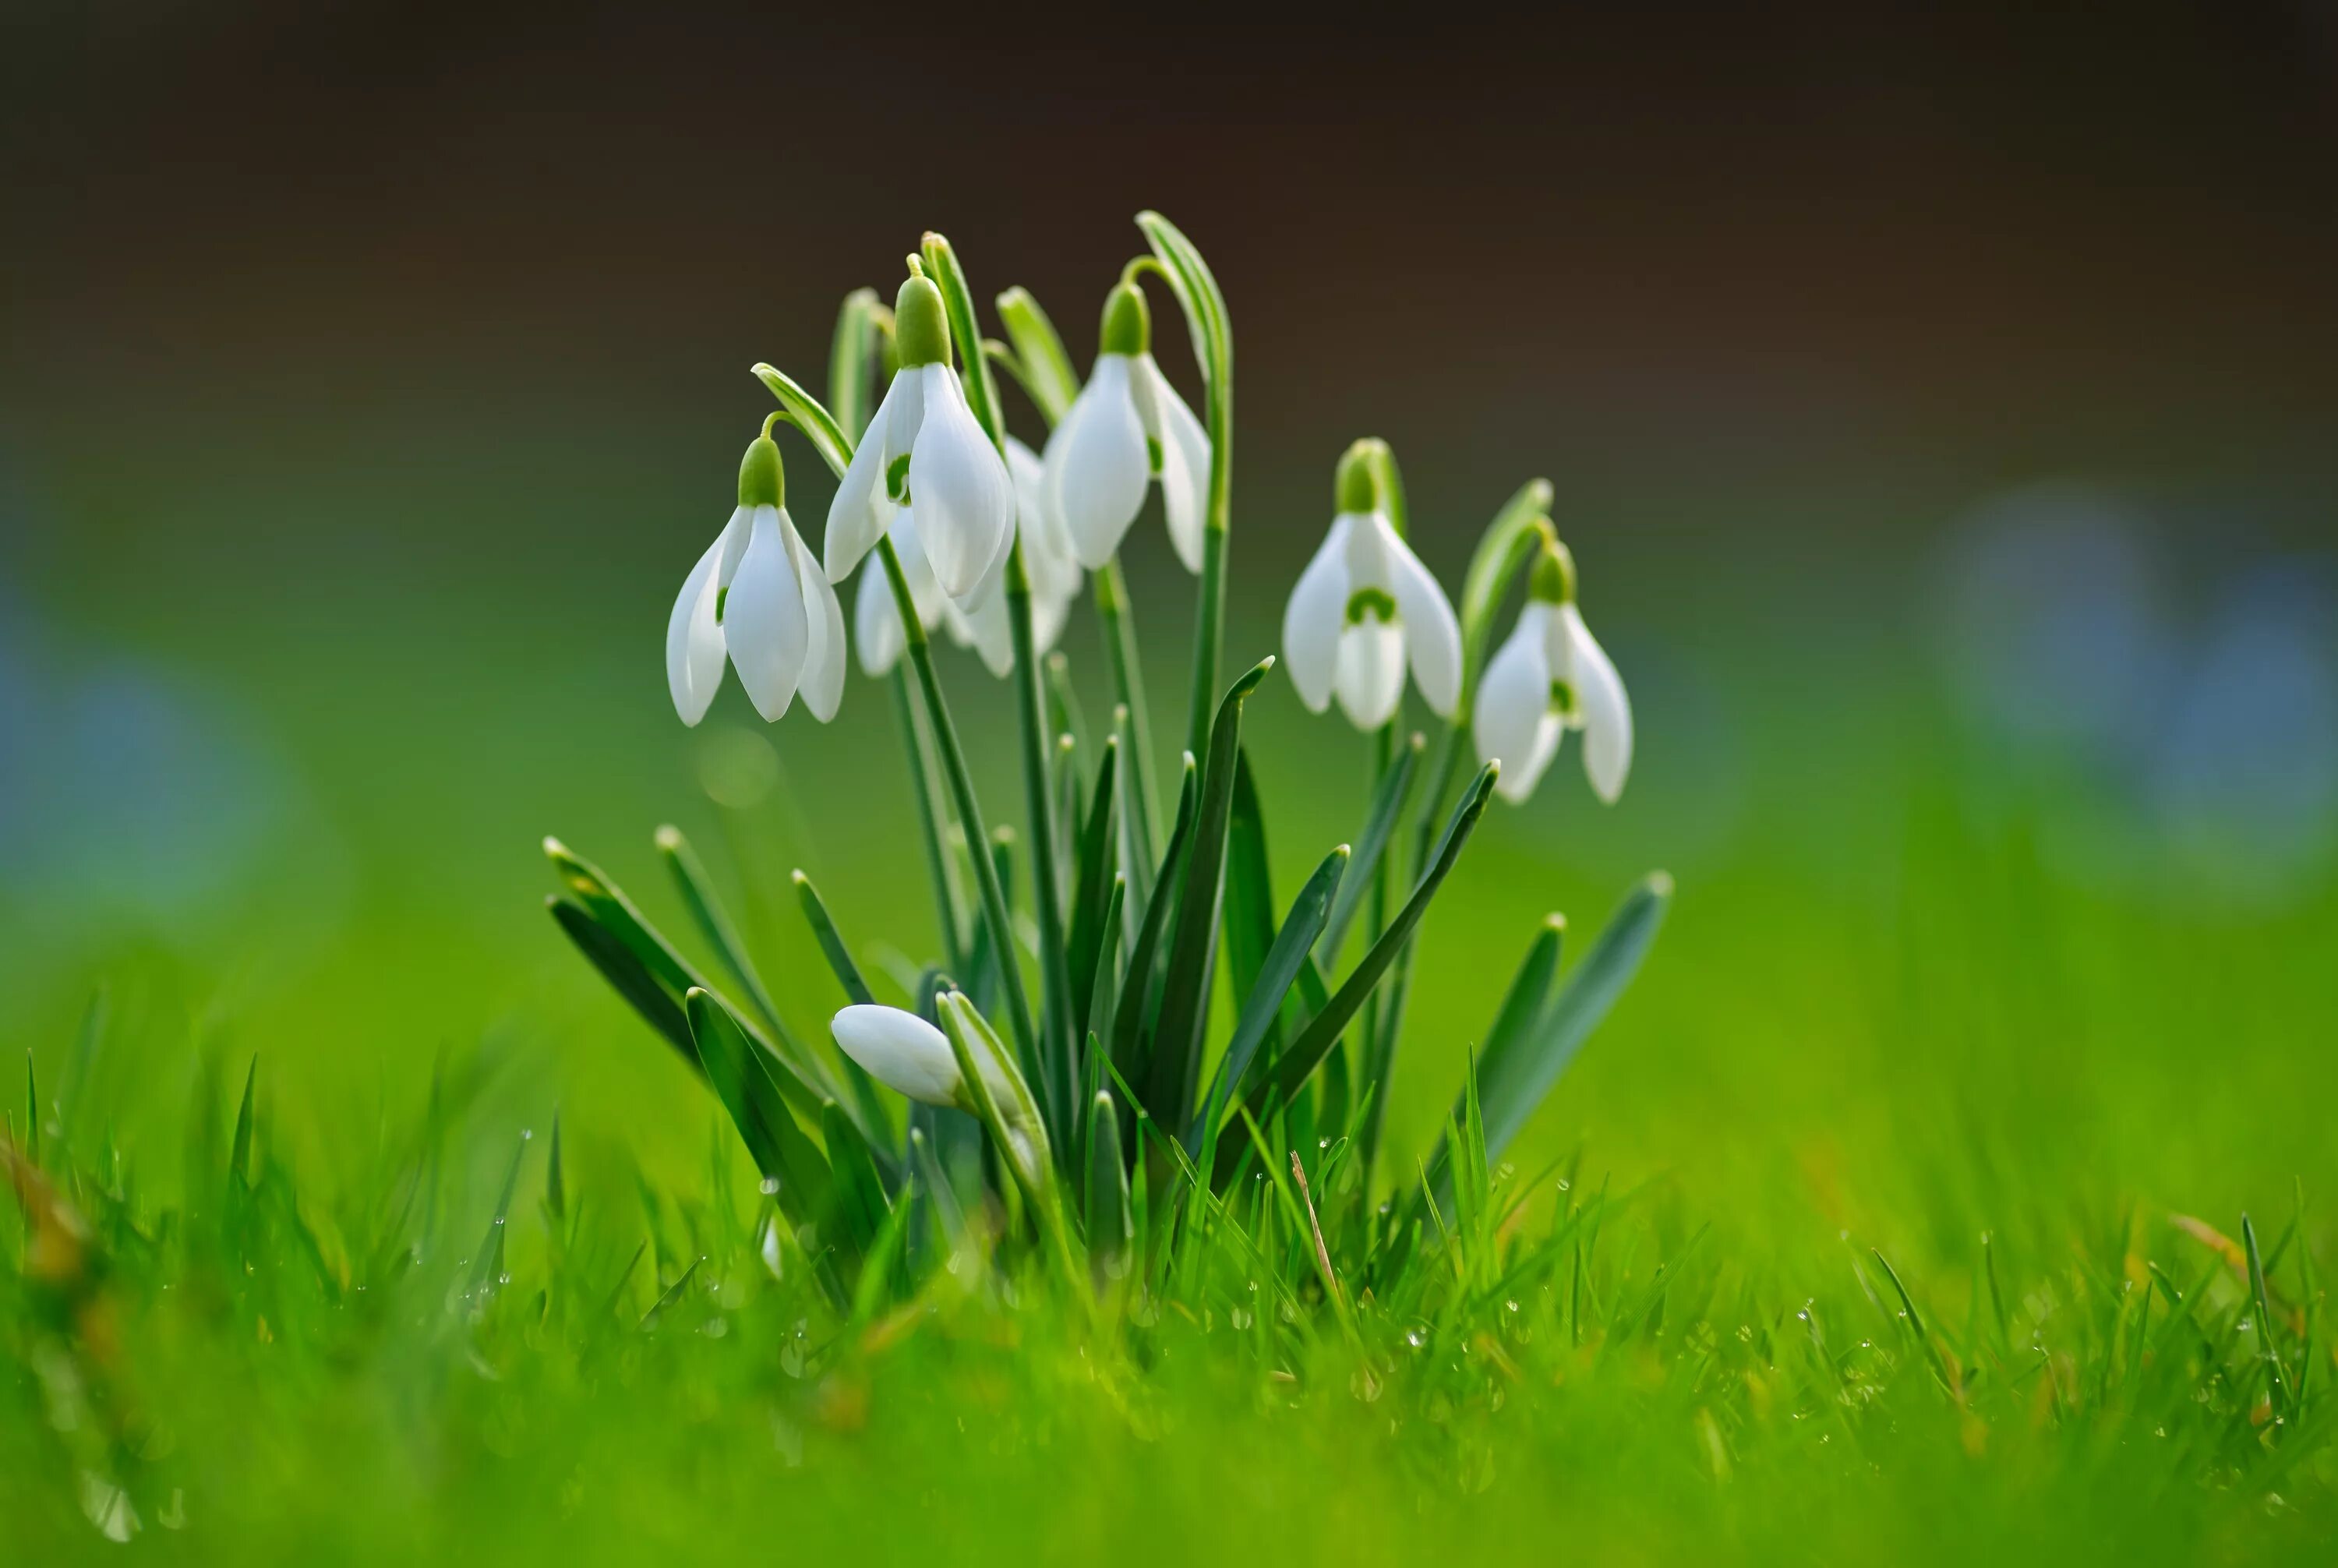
{"x": 931, "y": 823}
{"x": 970, "y": 810}
{"x": 1055, "y": 1080}
{"x": 1118, "y": 620}
{"x": 1210, "y": 611}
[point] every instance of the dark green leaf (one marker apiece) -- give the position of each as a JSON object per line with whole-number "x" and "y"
{"x": 626, "y": 975}
{"x": 714, "y": 923}
{"x": 1372, "y": 845}
{"x": 1128, "y": 1024}
{"x": 1107, "y": 1217}
{"x": 1249, "y": 884}
{"x": 1519, "y": 1068}
{"x": 1284, "y": 959}
{"x": 832, "y": 942}
{"x": 1092, "y": 863}
{"x": 1293, "y": 1068}
{"x": 861, "y": 1205}
{"x": 1176, "y": 1056}
{"x": 780, "y": 1148}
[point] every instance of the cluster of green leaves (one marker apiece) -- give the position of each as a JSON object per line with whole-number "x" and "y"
{"x": 1129, "y": 939}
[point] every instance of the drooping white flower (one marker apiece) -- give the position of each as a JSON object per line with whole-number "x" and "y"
{"x": 1362, "y": 609}
{"x": 1552, "y": 676}
{"x": 758, "y": 599}
{"x": 924, "y": 449}
{"x": 980, "y": 620}
{"x": 876, "y": 620}
{"x": 1127, "y": 426}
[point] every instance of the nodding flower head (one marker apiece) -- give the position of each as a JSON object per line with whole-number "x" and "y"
{"x": 980, "y": 620}
{"x": 1365, "y": 607}
{"x": 924, "y": 451}
{"x": 1127, "y": 428}
{"x": 758, "y": 599}
{"x": 1552, "y": 676}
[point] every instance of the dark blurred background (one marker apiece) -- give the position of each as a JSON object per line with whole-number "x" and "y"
{"x": 1944, "y": 409}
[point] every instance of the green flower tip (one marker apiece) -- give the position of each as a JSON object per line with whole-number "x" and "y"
{"x": 921, "y": 326}
{"x": 762, "y": 481}
{"x": 1356, "y": 484}
{"x": 1553, "y": 582}
{"x": 1127, "y": 322}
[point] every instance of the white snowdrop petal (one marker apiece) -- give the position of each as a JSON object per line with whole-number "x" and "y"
{"x": 764, "y": 621}
{"x": 693, "y": 640}
{"x": 1432, "y": 634}
{"x": 1312, "y": 619}
{"x": 822, "y": 681}
{"x": 988, "y": 631}
{"x": 1185, "y": 460}
{"x": 899, "y": 1050}
{"x": 1513, "y": 723}
{"x": 876, "y": 625}
{"x": 958, "y": 485}
{"x": 860, "y": 512}
{"x": 990, "y": 586}
{"x": 1098, "y": 467}
{"x": 1371, "y": 677}
{"x": 1606, "y": 713}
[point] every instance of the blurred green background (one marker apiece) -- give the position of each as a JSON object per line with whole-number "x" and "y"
{"x": 1942, "y": 414}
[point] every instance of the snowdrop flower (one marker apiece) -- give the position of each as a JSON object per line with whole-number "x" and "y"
{"x": 1550, "y": 677}
{"x": 924, "y": 449}
{"x": 1362, "y": 608}
{"x": 905, "y": 1052}
{"x": 984, "y": 626}
{"x": 1127, "y": 426}
{"x": 980, "y": 622}
{"x": 759, "y": 598}
{"x": 876, "y": 621}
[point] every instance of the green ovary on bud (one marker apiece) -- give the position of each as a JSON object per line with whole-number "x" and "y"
{"x": 920, "y": 325}
{"x": 1127, "y": 322}
{"x": 1354, "y": 484}
{"x": 1553, "y": 582}
{"x": 763, "y": 482}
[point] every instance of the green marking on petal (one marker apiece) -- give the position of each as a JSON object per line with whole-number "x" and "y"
{"x": 1153, "y": 453}
{"x": 897, "y": 479}
{"x": 1374, "y": 603}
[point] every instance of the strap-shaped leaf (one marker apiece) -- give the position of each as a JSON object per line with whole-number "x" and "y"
{"x": 1519, "y": 1068}
{"x": 714, "y": 922}
{"x": 1264, "y": 1002}
{"x": 862, "y": 1206}
{"x": 1250, "y": 883}
{"x": 1296, "y": 1065}
{"x": 1177, "y": 1058}
{"x": 1093, "y": 886}
{"x": 780, "y": 1148}
{"x": 1381, "y": 815}
{"x": 623, "y": 968}
{"x": 832, "y": 942}
{"x": 1128, "y": 1023}
{"x": 1106, "y": 1214}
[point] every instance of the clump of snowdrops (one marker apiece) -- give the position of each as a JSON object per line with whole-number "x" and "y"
{"x": 1059, "y": 1101}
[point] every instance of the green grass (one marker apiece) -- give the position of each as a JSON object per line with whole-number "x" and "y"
{"x": 301, "y": 1332}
